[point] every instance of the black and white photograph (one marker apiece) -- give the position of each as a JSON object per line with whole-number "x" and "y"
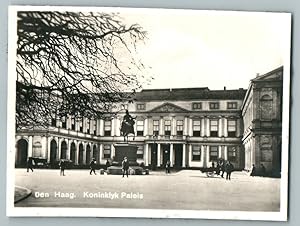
{"x": 152, "y": 113}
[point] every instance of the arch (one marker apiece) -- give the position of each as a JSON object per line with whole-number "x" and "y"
{"x": 73, "y": 152}
{"x": 63, "y": 150}
{"x": 53, "y": 150}
{"x": 88, "y": 154}
{"x": 96, "y": 153}
{"x": 80, "y": 159}
{"x": 22, "y": 153}
{"x": 37, "y": 149}
{"x": 266, "y": 97}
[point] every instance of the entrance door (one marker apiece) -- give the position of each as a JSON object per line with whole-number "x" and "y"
{"x": 178, "y": 155}
{"x": 166, "y": 153}
{"x": 53, "y": 151}
{"x": 153, "y": 156}
{"x": 22, "y": 153}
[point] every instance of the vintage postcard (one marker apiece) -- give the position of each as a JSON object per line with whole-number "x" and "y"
{"x": 159, "y": 113}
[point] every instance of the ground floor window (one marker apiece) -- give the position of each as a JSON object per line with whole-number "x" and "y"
{"x": 232, "y": 154}
{"x": 213, "y": 153}
{"x": 140, "y": 152}
{"x": 196, "y": 152}
{"x": 106, "y": 151}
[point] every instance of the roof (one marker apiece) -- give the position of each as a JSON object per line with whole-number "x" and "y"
{"x": 189, "y": 94}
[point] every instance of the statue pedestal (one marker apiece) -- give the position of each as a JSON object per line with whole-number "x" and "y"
{"x": 125, "y": 150}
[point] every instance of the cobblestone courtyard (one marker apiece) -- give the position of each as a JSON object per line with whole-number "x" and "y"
{"x": 186, "y": 189}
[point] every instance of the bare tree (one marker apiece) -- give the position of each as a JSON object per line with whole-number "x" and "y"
{"x": 73, "y": 63}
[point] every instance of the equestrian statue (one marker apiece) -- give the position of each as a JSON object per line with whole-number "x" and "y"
{"x": 127, "y": 126}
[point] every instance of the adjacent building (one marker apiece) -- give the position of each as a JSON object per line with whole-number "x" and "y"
{"x": 191, "y": 127}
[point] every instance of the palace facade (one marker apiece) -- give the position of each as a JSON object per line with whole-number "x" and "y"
{"x": 191, "y": 127}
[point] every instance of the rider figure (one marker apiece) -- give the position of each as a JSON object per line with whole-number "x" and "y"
{"x": 127, "y": 124}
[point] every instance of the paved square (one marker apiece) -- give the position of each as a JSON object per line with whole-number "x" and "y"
{"x": 186, "y": 189}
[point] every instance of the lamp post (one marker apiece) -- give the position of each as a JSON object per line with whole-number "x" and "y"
{"x": 154, "y": 153}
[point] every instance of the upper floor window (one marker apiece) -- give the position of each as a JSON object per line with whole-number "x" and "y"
{"x": 88, "y": 126}
{"x": 196, "y": 152}
{"x": 214, "y": 105}
{"x": 141, "y": 106}
{"x": 196, "y": 127}
{"x": 231, "y": 128}
{"x": 167, "y": 127}
{"x": 266, "y": 107}
{"x": 213, "y": 153}
{"x": 80, "y": 124}
{"x": 53, "y": 122}
{"x": 140, "y": 127}
{"x": 213, "y": 127}
{"x": 63, "y": 122}
{"x": 179, "y": 127}
{"x": 231, "y": 105}
{"x": 73, "y": 123}
{"x": 197, "y": 106}
{"x": 155, "y": 127}
{"x": 94, "y": 126}
{"x": 107, "y": 127}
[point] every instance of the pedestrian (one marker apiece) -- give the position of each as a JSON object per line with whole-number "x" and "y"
{"x": 30, "y": 164}
{"x": 262, "y": 170}
{"x": 107, "y": 164}
{"x": 228, "y": 168}
{"x": 125, "y": 166}
{"x": 93, "y": 166}
{"x": 253, "y": 171}
{"x": 222, "y": 167}
{"x": 62, "y": 166}
{"x": 168, "y": 165}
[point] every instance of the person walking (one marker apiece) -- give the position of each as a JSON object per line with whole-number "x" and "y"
{"x": 125, "y": 166}
{"x": 228, "y": 168}
{"x": 62, "y": 166}
{"x": 168, "y": 165}
{"x": 93, "y": 166}
{"x": 30, "y": 164}
{"x": 253, "y": 171}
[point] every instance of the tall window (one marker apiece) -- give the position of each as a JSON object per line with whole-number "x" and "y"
{"x": 53, "y": 121}
{"x": 88, "y": 126}
{"x": 167, "y": 127}
{"x": 231, "y": 128}
{"x": 197, "y": 106}
{"x": 140, "y": 127}
{"x": 232, "y": 154}
{"x": 179, "y": 127}
{"x": 213, "y": 153}
{"x": 140, "y": 152}
{"x": 231, "y": 105}
{"x": 73, "y": 123}
{"x": 63, "y": 122}
{"x": 106, "y": 151}
{"x": 155, "y": 127}
{"x": 214, "y": 128}
{"x": 94, "y": 126}
{"x": 213, "y": 105}
{"x": 107, "y": 128}
{"x": 80, "y": 123}
{"x": 196, "y": 152}
{"x": 196, "y": 127}
{"x": 266, "y": 108}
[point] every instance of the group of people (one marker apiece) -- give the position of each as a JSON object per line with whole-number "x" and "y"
{"x": 261, "y": 171}
{"x": 222, "y": 167}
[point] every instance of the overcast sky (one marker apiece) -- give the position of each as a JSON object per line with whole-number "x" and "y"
{"x": 189, "y": 48}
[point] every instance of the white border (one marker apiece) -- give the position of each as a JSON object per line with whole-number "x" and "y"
{"x": 137, "y": 213}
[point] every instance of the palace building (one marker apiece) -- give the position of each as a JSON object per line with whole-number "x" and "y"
{"x": 191, "y": 127}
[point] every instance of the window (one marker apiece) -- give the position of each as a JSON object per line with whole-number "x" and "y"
{"x": 155, "y": 127}
{"x": 266, "y": 108}
{"x": 213, "y": 153}
{"x": 168, "y": 127}
{"x": 231, "y": 128}
{"x": 37, "y": 149}
{"x": 107, "y": 128}
{"x": 197, "y": 106}
{"x": 140, "y": 127}
{"x": 106, "y": 151}
{"x": 196, "y": 152}
{"x": 196, "y": 127}
{"x": 73, "y": 123}
{"x": 94, "y": 126}
{"x": 232, "y": 154}
{"x": 80, "y": 125}
{"x": 53, "y": 122}
{"x": 63, "y": 122}
{"x": 88, "y": 126}
{"x": 179, "y": 127}
{"x": 214, "y": 105}
{"x": 140, "y": 152}
{"x": 140, "y": 106}
{"x": 232, "y": 105}
{"x": 214, "y": 128}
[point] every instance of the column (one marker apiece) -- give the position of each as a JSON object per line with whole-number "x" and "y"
{"x": 173, "y": 126}
{"x": 77, "y": 152}
{"x": 225, "y": 127}
{"x": 146, "y": 155}
{"x": 97, "y": 127}
{"x": 185, "y": 126}
{"x": 118, "y": 127}
{"x": 161, "y": 126}
{"x": 113, "y": 125}
{"x": 49, "y": 148}
{"x": 100, "y": 152}
{"x": 190, "y": 153}
{"x": 146, "y": 126}
{"x": 84, "y": 153}
{"x": 30, "y": 146}
{"x": 171, "y": 155}
{"x": 58, "y": 149}
{"x": 112, "y": 154}
{"x": 220, "y": 127}
{"x": 68, "y": 149}
{"x": 84, "y": 125}
{"x": 202, "y": 131}
{"x": 220, "y": 151}
{"x": 183, "y": 156}
{"x": 225, "y": 153}
{"x": 44, "y": 147}
{"x": 207, "y": 127}
{"x": 207, "y": 155}
{"x": 158, "y": 154}
{"x": 190, "y": 127}
{"x": 101, "y": 127}
{"x": 203, "y": 155}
